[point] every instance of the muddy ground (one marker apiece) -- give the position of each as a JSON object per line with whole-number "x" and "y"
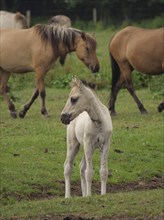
{"x": 44, "y": 193}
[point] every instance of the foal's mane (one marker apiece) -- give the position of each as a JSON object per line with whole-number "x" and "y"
{"x": 56, "y": 34}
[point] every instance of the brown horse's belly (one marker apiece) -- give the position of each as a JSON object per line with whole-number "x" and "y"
{"x": 146, "y": 66}
{"x": 150, "y": 71}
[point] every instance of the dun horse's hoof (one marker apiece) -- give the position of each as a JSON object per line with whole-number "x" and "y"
{"x": 21, "y": 114}
{"x": 13, "y": 114}
{"x": 47, "y": 115}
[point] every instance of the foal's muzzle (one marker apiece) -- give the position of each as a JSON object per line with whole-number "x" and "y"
{"x": 65, "y": 118}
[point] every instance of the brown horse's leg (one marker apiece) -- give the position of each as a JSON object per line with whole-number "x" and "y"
{"x": 4, "y": 77}
{"x": 131, "y": 90}
{"x": 27, "y": 106}
{"x": 161, "y": 107}
{"x": 114, "y": 93}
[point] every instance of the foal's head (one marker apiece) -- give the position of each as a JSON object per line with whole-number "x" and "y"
{"x": 86, "y": 52}
{"x": 77, "y": 102}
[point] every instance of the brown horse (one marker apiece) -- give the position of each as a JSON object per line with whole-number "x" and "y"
{"x": 63, "y": 21}
{"x": 36, "y": 49}
{"x": 135, "y": 49}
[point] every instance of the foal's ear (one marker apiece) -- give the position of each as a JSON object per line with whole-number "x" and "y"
{"x": 83, "y": 36}
{"x": 76, "y": 82}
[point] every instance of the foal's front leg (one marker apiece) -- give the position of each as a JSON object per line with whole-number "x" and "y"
{"x": 88, "y": 150}
{"x": 72, "y": 150}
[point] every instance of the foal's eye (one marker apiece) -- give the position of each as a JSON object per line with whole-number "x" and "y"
{"x": 74, "y": 100}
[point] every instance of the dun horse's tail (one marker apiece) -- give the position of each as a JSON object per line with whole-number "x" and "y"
{"x": 115, "y": 71}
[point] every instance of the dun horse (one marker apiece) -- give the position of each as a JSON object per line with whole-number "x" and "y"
{"x": 63, "y": 21}
{"x": 90, "y": 125}
{"x": 135, "y": 49}
{"x": 36, "y": 49}
{"x": 10, "y": 20}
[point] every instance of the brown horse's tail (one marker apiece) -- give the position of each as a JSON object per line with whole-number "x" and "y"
{"x": 115, "y": 71}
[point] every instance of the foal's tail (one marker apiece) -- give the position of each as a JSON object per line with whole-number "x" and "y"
{"x": 115, "y": 71}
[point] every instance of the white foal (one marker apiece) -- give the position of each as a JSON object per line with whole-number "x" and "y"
{"x": 90, "y": 125}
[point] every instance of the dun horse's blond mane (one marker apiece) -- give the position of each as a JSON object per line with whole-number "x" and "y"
{"x": 56, "y": 34}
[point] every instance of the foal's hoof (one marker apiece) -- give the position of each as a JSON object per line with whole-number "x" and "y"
{"x": 13, "y": 114}
{"x": 21, "y": 114}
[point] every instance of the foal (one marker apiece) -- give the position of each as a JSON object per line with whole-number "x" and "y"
{"x": 89, "y": 124}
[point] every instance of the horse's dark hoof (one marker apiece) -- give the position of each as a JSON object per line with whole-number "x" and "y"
{"x": 13, "y": 114}
{"x": 144, "y": 112}
{"x": 47, "y": 115}
{"x": 21, "y": 114}
{"x": 113, "y": 113}
{"x": 161, "y": 107}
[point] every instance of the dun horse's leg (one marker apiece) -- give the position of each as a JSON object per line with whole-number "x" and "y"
{"x": 42, "y": 92}
{"x": 82, "y": 175}
{"x": 4, "y": 77}
{"x": 72, "y": 150}
{"x": 40, "y": 89}
{"x": 89, "y": 168}
{"x": 131, "y": 90}
{"x": 104, "y": 168}
{"x": 27, "y": 106}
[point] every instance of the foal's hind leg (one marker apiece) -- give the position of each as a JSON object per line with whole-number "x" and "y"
{"x": 88, "y": 150}
{"x": 104, "y": 167}
{"x": 4, "y": 77}
{"x": 82, "y": 175}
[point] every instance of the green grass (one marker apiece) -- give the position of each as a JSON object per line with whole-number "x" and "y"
{"x": 28, "y": 171}
{"x": 33, "y": 149}
{"x": 133, "y": 204}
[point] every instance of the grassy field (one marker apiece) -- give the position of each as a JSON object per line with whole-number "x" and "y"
{"x": 33, "y": 151}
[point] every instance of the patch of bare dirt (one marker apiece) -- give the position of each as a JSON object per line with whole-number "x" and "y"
{"x": 72, "y": 217}
{"x": 46, "y": 192}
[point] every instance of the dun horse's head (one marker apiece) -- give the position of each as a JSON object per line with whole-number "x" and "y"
{"x": 86, "y": 52}
{"x": 76, "y": 103}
